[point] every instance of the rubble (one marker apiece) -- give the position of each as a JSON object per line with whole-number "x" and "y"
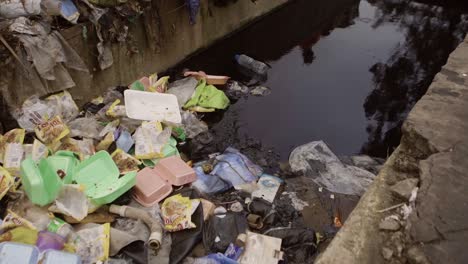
{"x": 404, "y": 188}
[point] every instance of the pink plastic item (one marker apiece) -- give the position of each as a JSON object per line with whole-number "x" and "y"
{"x": 150, "y": 187}
{"x": 175, "y": 171}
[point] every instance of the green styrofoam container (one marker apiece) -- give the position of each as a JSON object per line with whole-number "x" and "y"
{"x": 41, "y": 183}
{"x": 100, "y": 176}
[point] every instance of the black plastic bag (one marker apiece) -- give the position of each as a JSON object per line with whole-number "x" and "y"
{"x": 298, "y": 244}
{"x": 223, "y": 229}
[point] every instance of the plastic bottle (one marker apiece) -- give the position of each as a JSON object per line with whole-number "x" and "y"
{"x": 60, "y": 227}
{"x": 251, "y": 64}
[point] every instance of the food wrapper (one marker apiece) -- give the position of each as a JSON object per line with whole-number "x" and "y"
{"x": 52, "y": 131}
{"x": 106, "y": 142}
{"x": 116, "y": 110}
{"x": 6, "y": 182}
{"x": 177, "y": 211}
{"x": 66, "y": 106}
{"x": 160, "y": 86}
{"x": 12, "y": 136}
{"x": 150, "y": 139}
{"x": 109, "y": 128}
{"x": 39, "y": 150}
{"x": 14, "y": 154}
{"x": 125, "y": 162}
{"x": 13, "y": 220}
{"x": 92, "y": 244}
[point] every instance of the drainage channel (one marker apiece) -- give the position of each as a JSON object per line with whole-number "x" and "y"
{"x": 346, "y": 72}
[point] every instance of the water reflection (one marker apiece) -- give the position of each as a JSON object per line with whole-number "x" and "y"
{"x": 346, "y": 72}
{"x": 431, "y": 34}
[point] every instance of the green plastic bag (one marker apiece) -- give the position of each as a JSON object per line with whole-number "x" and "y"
{"x": 207, "y": 96}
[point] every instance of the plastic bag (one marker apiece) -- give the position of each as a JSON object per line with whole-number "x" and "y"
{"x": 49, "y": 241}
{"x": 6, "y": 182}
{"x": 86, "y": 127}
{"x": 235, "y": 168}
{"x": 92, "y": 244}
{"x": 115, "y": 110}
{"x": 125, "y": 162}
{"x": 299, "y": 244}
{"x": 109, "y": 128}
{"x": 207, "y": 98}
{"x": 52, "y": 131}
{"x": 125, "y": 140}
{"x": 34, "y": 112}
{"x": 150, "y": 139}
{"x": 65, "y": 104}
{"x": 12, "y": 136}
{"x": 209, "y": 184}
{"x": 71, "y": 201}
{"x": 222, "y": 230}
{"x": 183, "y": 89}
{"x": 192, "y": 126}
{"x": 317, "y": 161}
{"x": 177, "y": 211}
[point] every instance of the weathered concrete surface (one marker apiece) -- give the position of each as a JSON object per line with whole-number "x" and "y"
{"x": 177, "y": 40}
{"x": 434, "y": 148}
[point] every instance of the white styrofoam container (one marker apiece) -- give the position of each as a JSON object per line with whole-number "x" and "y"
{"x": 151, "y": 106}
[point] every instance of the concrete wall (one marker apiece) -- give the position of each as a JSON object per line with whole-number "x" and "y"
{"x": 178, "y": 39}
{"x": 433, "y": 150}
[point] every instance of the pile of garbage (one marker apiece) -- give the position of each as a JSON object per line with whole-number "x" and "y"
{"x": 108, "y": 183}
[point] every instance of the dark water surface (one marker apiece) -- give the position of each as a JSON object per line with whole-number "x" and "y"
{"x": 344, "y": 71}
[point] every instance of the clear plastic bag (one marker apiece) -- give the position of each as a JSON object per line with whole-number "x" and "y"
{"x": 192, "y": 125}
{"x": 71, "y": 201}
{"x": 86, "y": 127}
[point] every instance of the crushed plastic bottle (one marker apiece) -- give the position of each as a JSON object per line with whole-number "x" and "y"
{"x": 252, "y": 64}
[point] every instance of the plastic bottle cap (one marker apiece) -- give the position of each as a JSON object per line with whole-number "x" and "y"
{"x": 236, "y": 57}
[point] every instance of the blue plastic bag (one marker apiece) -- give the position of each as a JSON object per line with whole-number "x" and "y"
{"x": 232, "y": 168}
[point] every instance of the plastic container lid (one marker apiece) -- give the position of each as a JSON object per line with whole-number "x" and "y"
{"x": 151, "y": 106}
{"x": 150, "y": 188}
{"x": 60, "y": 257}
{"x": 175, "y": 171}
{"x": 16, "y": 253}
{"x": 100, "y": 176}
